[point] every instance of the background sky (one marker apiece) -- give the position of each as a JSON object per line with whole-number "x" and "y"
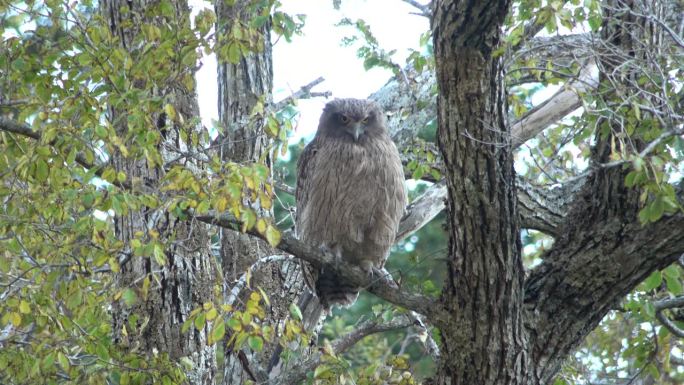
{"x": 319, "y": 52}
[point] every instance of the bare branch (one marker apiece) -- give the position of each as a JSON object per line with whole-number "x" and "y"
{"x": 12, "y": 103}
{"x": 9, "y": 125}
{"x": 304, "y": 93}
{"x": 423, "y": 210}
{"x": 553, "y": 109}
{"x": 669, "y": 304}
{"x": 423, "y": 8}
{"x": 282, "y": 186}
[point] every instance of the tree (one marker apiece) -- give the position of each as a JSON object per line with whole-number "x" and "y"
{"x": 140, "y": 247}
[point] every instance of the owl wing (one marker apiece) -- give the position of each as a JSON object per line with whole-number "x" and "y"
{"x": 305, "y": 169}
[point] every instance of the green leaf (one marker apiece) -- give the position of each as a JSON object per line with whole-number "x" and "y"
{"x": 674, "y": 285}
{"x": 295, "y": 312}
{"x": 200, "y": 321}
{"x": 129, "y": 297}
{"x": 233, "y": 53}
{"x": 653, "y": 281}
{"x": 63, "y": 360}
{"x": 649, "y": 309}
{"x": 256, "y": 343}
{"x": 41, "y": 170}
{"x": 595, "y": 22}
{"x": 24, "y": 307}
{"x": 671, "y": 271}
{"x": 235, "y": 324}
{"x": 219, "y": 331}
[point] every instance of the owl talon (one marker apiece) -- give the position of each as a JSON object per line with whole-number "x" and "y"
{"x": 376, "y": 273}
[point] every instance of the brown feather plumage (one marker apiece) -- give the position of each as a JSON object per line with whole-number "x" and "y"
{"x": 350, "y": 193}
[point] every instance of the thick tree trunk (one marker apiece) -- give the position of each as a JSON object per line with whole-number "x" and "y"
{"x": 484, "y": 340}
{"x": 603, "y": 251}
{"x": 186, "y": 278}
{"x": 241, "y": 87}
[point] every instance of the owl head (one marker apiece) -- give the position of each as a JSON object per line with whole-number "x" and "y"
{"x": 352, "y": 120}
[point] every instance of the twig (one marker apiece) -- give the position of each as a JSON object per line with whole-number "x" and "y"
{"x": 282, "y": 186}
{"x": 428, "y": 341}
{"x": 12, "y": 103}
{"x": 669, "y": 304}
{"x": 303, "y": 93}
{"x": 423, "y": 8}
{"x": 341, "y": 345}
{"x": 15, "y": 127}
{"x": 242, "y": 281}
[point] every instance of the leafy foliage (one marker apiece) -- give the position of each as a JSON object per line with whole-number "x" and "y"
{"x": 64, "y": 72}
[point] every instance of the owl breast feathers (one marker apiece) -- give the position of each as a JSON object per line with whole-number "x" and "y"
{"x": 350, "y": 193}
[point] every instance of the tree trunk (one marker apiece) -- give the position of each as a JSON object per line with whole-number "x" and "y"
{"x": 484, "y": 339}
{"x": 183, "y": 278}
{"x": 241, "y": 87}
{"x": 603, "y": 251}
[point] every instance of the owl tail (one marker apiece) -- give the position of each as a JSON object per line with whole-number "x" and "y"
{"x": 332, "y": 290}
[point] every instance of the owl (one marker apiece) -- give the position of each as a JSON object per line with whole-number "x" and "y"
{"x": 350, "y": 194}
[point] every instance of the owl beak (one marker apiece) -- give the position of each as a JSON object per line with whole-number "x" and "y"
{"x": 357, "y": 131}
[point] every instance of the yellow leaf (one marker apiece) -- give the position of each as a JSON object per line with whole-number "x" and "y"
{"x": 212, "y": 314}
{"x": 221, "y": 204}
{"x": 170, "y": 111}
{"x": 145, "y": 287}
{"x": 15, "y": 319}
{"x": 272, "y": 236}
{"x": 261, "y": 225}
{"x": 24, "y": 307}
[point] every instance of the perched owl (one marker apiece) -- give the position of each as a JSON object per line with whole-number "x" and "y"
{"x": 350, "y": 193}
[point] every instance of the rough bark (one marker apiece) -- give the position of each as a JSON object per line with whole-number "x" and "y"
{"x": 603, "y": 251}
{"x": 186, "y": 279}
{"x": 240, "y": 87}
{"x": 483, "y": 340}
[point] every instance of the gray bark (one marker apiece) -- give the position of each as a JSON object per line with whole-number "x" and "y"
{"x": 483, "y": 340}
{"x": 186, "y": 279}
{"x": 241, "y": 86}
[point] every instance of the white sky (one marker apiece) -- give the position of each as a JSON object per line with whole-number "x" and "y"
{"x": 318, "y": 52}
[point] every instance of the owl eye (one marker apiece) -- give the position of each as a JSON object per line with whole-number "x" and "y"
{"x": 365, "y": 120}
{"x": 344, "y": 119}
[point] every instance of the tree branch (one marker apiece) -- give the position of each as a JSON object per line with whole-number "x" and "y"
{"x": 12, "y": 126}
{"x": 381, "y": 284}
{"x": 591, "y": 266}
{"x": 669, "y": 304}
{"x": 543, "y": 208}
{"x": 423, "y": 8}
{"x": 15, "y": 127}
{"x": 341, "y": 345}
{"x": 304, "y": 93}
{"x": 422, "y": 210}
{"x": 563, "y": 102}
